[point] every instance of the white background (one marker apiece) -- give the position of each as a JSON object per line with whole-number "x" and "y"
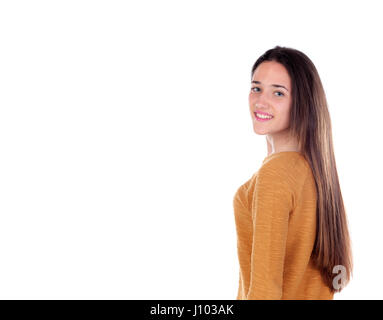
{"x": 125, "y": 132}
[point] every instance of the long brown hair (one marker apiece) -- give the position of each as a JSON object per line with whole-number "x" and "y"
{"x": 310, "y": 124}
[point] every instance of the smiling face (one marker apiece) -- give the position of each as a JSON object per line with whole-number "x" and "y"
{"x": 270, "y": 93}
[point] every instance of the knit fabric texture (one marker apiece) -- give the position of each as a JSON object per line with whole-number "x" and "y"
{"x": 275, "y": 220}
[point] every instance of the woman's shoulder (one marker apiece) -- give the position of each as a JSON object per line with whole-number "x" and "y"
{"x": 285, "y": 159}
{"x": 290, "y": 166}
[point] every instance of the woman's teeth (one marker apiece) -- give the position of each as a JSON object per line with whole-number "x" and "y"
{"x": 262, "y": 116}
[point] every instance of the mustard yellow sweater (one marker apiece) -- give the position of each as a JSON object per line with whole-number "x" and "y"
{"x": 275, "y": 218}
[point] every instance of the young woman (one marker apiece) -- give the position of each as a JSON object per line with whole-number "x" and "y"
{"x": 292, "y": 235}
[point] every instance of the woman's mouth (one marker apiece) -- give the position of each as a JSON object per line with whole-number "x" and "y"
{"x": 262, "y": 117}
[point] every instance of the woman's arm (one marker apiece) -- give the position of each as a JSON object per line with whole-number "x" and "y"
{"x": 272, "y": 204}
{"x": 239, "y": 293}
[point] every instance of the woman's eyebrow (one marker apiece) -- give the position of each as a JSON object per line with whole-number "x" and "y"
{"x": 274, "y": 85}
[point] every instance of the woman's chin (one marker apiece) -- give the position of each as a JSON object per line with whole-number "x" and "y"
{"x": 259, "y": 131}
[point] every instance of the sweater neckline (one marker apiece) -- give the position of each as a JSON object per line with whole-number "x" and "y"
{"x": 280, "y": 152}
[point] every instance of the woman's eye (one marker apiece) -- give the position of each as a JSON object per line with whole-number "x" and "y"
{"x": 281, "y": 94}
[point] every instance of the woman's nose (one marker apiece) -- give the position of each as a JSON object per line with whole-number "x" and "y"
{"x": 260, "y": 98}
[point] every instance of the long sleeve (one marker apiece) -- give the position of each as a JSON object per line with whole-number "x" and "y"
{"x": 239, "y": 293}
{"x": 272, "y": 204}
